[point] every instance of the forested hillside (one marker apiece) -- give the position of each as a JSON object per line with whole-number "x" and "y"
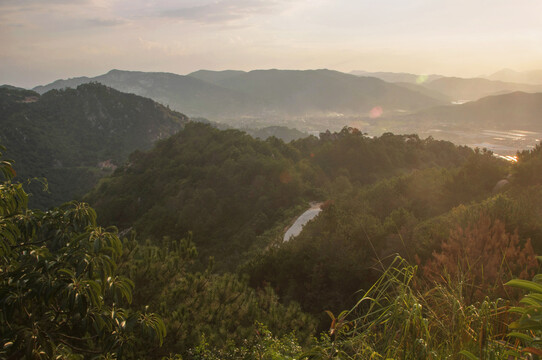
{"x": 428, "y": 201}
{"x": 200, "y": 220}
{"x": 221, "y": 185}
{"x": 74, "y": 137}
{"x": 233, "y": 192}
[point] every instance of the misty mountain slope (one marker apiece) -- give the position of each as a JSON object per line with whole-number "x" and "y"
{"x": 182, "y": 93}
{"x": 64, "y": 84}
{"x": 215, "y": 77}
{"x": 425, "y": 91}
{"x": 262, "y": 93}
{"x": 525, "y": 77}
{"x": 476, "y": 88}
{"x": 396, "y": 77}
{"x": 324, "y": 91}
{"x": 516, "y": 110}
{"x": 65, "y": 135}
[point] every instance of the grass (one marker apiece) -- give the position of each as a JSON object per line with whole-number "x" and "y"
{"x": 400, "y": 318}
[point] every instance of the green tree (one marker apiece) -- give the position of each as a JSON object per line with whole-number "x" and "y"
{"x": 59, "y": 290}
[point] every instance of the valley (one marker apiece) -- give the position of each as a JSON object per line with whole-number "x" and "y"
{"x": 320, "y": 100}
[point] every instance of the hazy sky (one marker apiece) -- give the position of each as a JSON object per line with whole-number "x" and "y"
{"x": 44, "y": 40}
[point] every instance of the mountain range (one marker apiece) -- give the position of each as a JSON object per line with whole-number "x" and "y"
{"x": 222, "y": 95}
{"x": 397, "y": 77}
{"x": 516, "y": 110}
{"x": 460, "y": 90}
{"x": 182, "y": 93}
{"x": 316, "y": 100}
{"x": 502, "y": 123}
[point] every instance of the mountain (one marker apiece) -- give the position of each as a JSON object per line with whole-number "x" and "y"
{"x": 504, "y": 124}
{"x": 182, "y": 93}
{"x": 64, "y": 84}
{"x": 261, "y": 94}
{"x": 525, "y": 77}
{"x": 11, "y": 87}
{"x": 425, "y": 91}
{"x": 73, "y": 137}
{"x": 215, "y": 77}
{"x": 460, "y": 89}
{"x": 516, "y": 110}
{"x": 307, "y": 92}
{"x": 397, "y": 77}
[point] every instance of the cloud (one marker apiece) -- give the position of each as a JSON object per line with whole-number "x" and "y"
{"x": 104, "y": 22}
{"x": 57, "y": 15}
{"x": 25, "y": 4}
{"x": 223, "y": 11}
{"x": 168, "y": 48}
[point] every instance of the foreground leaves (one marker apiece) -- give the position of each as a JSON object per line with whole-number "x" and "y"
{"x": 59, "y": 291}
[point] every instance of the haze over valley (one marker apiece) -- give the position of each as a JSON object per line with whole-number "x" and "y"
{"x": 313, "y": 101}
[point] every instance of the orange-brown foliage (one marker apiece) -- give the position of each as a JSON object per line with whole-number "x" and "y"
{"x": 484, "y": 256}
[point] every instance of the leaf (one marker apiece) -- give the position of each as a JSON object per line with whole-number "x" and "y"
{"x": 525, "y": 285}
{"x": 520, "y": 336}
{"x": 468, "y": 354}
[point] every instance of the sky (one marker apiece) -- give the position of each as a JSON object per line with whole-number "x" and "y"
{"x": 45, "y": 40}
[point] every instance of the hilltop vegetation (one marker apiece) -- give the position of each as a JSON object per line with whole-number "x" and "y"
{"x": 230, "y": 189}
{"x": 74, "y": 137}
{"x": 224, "y": 186}
{"x": 422, "y": 199}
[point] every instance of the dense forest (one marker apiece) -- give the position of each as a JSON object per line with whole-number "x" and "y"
{"x": 73, "y": 137}
{"x": 423, "y": 250}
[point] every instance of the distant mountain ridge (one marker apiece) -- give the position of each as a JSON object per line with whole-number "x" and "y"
{"x": 73, "y": 137}
{"x": 463, "y": 89}
{"x": 504, "y": 123}
{"x": 321, "y": 91}
{"x": 398, "y": 77}
{"x": 182, "y": 93}
{"x": 468, "y": 89}
{"x": 260, "y": 93}
{"x": 525, "y": 77}
{"x": 516, "y": 110}
{"x": 517, "y": 116}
